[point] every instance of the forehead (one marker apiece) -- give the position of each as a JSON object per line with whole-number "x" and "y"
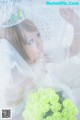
{"x": 30, "y": 34}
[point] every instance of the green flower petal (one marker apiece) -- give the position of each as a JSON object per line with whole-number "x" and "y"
{"x": 57, "y": 116}
{"x": 44, "y": 105}
{"x": 56, "y": 107}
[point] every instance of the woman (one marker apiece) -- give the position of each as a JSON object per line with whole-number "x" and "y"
{"x": 28, "y": 57}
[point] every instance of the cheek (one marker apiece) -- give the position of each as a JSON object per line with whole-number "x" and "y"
{"x": 32, "y": 51}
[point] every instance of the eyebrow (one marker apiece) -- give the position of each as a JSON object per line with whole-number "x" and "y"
{"x": 31, "y": 37}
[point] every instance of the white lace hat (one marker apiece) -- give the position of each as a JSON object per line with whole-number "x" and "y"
{"x": 11, "y": 12}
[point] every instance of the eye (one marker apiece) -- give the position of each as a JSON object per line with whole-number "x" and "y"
{"x": 38, "y": 35}
{"x": 30, "y": 42}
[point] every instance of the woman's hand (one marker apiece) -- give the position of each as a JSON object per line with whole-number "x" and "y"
{"x": 70, "y": 16}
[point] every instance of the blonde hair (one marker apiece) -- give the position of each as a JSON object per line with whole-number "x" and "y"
{"x": 15, "y": 35}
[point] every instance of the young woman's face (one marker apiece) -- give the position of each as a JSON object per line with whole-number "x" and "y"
{"x": 34, "y": 46}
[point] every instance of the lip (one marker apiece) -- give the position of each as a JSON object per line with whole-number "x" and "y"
{"x": 41, "y": 54}
{"x": 41, "y": 51}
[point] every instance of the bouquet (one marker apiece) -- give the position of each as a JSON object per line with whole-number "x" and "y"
{"x": 46, "y": 104}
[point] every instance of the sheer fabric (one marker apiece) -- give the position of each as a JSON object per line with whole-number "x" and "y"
{"x": 15, "y": 76}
